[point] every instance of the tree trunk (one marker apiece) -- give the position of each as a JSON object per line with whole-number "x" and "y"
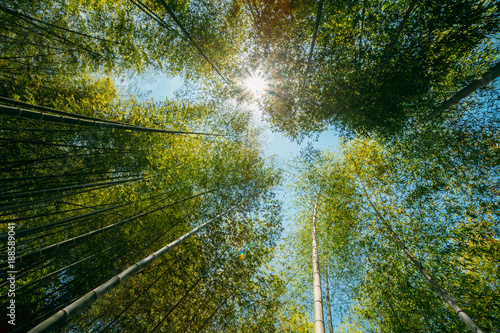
{"x": 490, "y": 75}
{"x": 78, "y": 306}
{"x": 441, "y": 291}
{"x": 328, "y": 305}
{"x": 319, "y": 324}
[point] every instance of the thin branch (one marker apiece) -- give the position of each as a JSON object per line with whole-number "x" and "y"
{"x": 398, "y": 30}
{"x": 188, "y": 36}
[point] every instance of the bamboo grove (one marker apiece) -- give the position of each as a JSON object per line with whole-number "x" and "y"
{"x": 121, "y": 213}
{"x": 90, "y": 201}
{"x": 406, "y": 245}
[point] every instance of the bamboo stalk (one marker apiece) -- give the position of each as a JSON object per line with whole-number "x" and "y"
{"x": 30, "y": 231}
{"x": 76, "y": 307}
{"x": 66, "y": 175}
{"x": 167, "y": 270}
{"x": 313, "y": 39}
{"x": 33, "y": 230}
{"x": 440, "y": 290}
{"x": 62, "y": 39}
{"x": 32, "y": 203}
{"x": 98, "y": 231}
{"x": 146, "y": 10}
{"x": 45, "y": 277}
{"x": 217, "y": 309}
{"x": 488, "y": 76}
{"x": 319, "y": 324}
{"x": 329, "y": 307}
{"x": 63, "y": 189}
{"x": 24, "y": 16}
{"x": 51, "y": 110}
{"x": 188, "y": 36}
{"x": 177, "y": 304}
{"x": 55, "y": 144}
{"x": 75, "y": 119}
{"x": 399, "y": 30}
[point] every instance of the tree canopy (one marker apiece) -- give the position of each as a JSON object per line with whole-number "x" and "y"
{"x": 123, "y": 213}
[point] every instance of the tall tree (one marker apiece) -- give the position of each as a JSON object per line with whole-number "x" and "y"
{"x": 385, "y": 288}
{"x": 319, "y": 322}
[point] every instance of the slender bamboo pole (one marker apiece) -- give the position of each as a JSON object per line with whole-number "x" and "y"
{"x": 98, "y": 268}
{"x": 319, "y": 323}
{"x": 55, "y": 144}
{"x": 399, "y": 29}
{"x": 168, "y": 269}
{"x": 95, "y": 122}
{"x": 210, "y": 266}
{"x": 488, "y": 76}
{"x": 160, "y": 323}
{"x": 46, "y": 199}
{"x": 29, "y": 217}
{"x": 188, "y": 36}
{"x": 441, "y": 291}
{"x": 328, "y": 305}
{"x": 62, "y": 39}
{"x": 24, "y": 16}
{"x": 76, "y": 307}
{"x": 98, "y": 231}
{"x": 37, "y": 229}
{"x": 104, "y": 266}
{"x": 146, "y": 10}
{"x": 13, "y": 164}
{"x": 313, "y": 39}
{"x": 39, "y": 179}
{"x": 57, "y": 190}
{"x": 45, "y": 277}
{"x": 217, "y": 309}
{"x": 51, "y": 110}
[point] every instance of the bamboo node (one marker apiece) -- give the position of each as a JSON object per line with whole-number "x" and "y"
{"x": 66, "y": 314}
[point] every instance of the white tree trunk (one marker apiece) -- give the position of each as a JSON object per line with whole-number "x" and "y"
{"x": 319, "y": 324}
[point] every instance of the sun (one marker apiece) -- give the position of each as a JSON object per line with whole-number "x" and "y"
{"x": 256, "y": 84}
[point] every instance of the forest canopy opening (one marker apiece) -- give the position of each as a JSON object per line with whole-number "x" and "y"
{"x": 257, "y": 84}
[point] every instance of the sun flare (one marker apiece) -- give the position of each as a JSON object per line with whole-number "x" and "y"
{"x": 256, "y": 84}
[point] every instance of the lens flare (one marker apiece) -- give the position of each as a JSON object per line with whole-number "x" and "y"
{"x": 256, "y": 84}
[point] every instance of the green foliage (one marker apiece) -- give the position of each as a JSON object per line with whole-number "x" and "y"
{"x": 450, "y": 228}
{"x": 378, "y": 67}
{"x": 163, "y": 201}
{"x": 361, "y": 81}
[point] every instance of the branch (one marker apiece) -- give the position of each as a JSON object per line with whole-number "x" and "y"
{"x": 313, "y": 42}
{"x": 399, "y": 30}
{"x": 188, "y": 36}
